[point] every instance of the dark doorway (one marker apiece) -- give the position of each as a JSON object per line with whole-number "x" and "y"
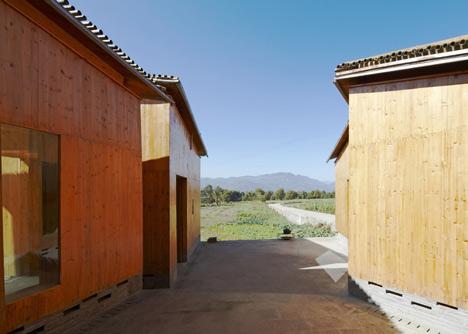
{"x": 181, "y": 204}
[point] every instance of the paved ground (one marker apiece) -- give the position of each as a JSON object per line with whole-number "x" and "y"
{"x": 299, "y": 216}
{"x": 268, "y": 286}
{"x": 338, "y": 244}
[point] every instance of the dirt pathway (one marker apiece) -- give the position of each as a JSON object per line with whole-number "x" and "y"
{"x": 299, "y": 216}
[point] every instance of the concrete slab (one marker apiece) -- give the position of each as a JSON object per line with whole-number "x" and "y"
{"x": 248, "y": 287}
{"x": 338, "y": 243}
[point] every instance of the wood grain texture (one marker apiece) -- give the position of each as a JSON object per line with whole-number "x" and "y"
{"x": 2, "y": 286}
{"x": 65, "y": 29}
{"x": 181, "y": 216}
{"x": 342, "y": 192}
{"x": 185, "y": 162}
{"x": 167, "y": 152}
{"x": 62, "y": 86}
{"x": 46, "y": 86}
{"x": 408, "y": 224}
{"x": 155, "y": 153}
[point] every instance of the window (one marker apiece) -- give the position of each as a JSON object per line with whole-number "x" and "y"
{"x": 30, "y": 205}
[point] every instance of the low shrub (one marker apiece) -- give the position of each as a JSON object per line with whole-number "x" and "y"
{"x": 250, "y": 218}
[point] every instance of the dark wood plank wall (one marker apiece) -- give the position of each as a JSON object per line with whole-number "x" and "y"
{"x": 155, "y": 216}
{"x": 46, "y": 86}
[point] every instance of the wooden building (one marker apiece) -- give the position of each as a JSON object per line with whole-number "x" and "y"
{"x": 341, "y": 156}
{"x": 71, "y": 162}
{"x": 171, "y": 147}
{"x": 404, "y": 203}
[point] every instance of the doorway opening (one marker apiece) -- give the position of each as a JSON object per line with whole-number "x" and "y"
{"x": 181, "y": 212}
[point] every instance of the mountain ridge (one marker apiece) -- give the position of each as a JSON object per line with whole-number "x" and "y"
{"x": 273, "y": 181}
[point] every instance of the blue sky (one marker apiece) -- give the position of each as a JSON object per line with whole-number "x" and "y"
{"x": 259, "y": 74}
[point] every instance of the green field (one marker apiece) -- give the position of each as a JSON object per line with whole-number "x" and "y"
{"x": 325, "y": 205}
{"x": 251, "y": 221}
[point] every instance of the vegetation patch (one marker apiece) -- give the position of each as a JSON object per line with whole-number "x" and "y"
{"x": 219, "y": 196}
{"x": 252, "y": 221}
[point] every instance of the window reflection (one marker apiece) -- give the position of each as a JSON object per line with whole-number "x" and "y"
{"x": 30, "y": 205}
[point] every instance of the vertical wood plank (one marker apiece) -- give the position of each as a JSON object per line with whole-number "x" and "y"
{"x": 167, "y": 153}
{"x": 408, "y": 213}
{"x": 2, "y": 277}
{"x": 48, "y": 87}
{"x": 341, "y": 192}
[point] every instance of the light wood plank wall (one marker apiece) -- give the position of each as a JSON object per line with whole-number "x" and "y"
{"x": 342, "y": 192}
{"x": 408, "y": 166}
{"x": 185, "y": 162}
{"x": 46, "y": 86}
{"x": 167, "y": 152}
{"x": 155, "y": 154}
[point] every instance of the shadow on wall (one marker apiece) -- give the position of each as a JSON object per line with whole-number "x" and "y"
{"x": 156, "y": 219}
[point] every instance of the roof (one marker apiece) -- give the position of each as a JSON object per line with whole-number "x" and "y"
{"x": 340, "y": 145}
{"x": 103, "y": 38}
{"x": 74, "y": 29}
{"x": 148, "y": 85}
{"x": 449, "y": 55}
{"x": 173, "y": 86}
{"x": 444, "y": 46}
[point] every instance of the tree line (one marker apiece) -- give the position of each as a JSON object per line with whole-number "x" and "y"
{"x": 218, "y": 195}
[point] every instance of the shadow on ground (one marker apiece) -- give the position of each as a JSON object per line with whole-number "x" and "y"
{"x": 259, "y": 286}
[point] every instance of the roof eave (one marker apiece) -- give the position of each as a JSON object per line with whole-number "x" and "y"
{"x": 342, "y": 91}
{"x": 340, "y": 144}
{"x": 203, "y": 151}
{"x": 177, "y": 92}
{"x": 449, "y": 62}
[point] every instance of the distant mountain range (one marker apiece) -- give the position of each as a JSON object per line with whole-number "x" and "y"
{"x": 274, "y": 181}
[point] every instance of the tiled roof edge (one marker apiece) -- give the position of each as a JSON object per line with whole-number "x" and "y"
{"x": 80, "y": 17}
{"x": 155, "y": 79}
{"x": 170, "y": 80}
{"x": 444, "y": 46}
{"x": 158, "y": 78}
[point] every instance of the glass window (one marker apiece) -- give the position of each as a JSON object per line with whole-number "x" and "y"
{"x": 30, "y": 203}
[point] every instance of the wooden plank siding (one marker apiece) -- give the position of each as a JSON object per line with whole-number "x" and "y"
{"x": 185, "y": 162}
{"x": 342, "y": 192}
{"x": 155, "y": 154}
{"x": 408, "y": 172}
{"x": 2, "y": 286}
{"x": 167, "y": 152}
{"x": 48, "y": 87}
